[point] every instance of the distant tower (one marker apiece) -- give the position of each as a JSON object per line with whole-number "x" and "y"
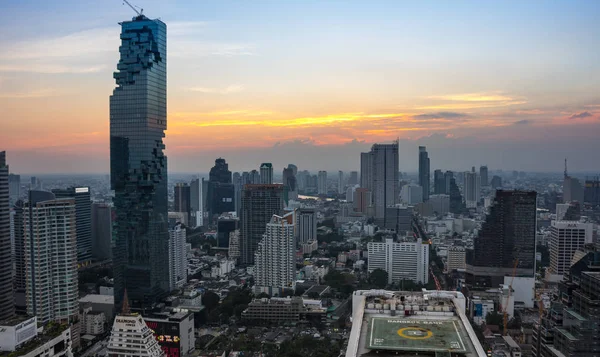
{"x": 7, "y": 308}
{"x": 266, "y": 173}
{"x": 424, "y": 172}
{"x": 83, "y": 205}
{"x": 341, "y": 182}
{"x": 379, "y": 174}
{"x": 322, "y": 184}
{"x": 483, "y": 174}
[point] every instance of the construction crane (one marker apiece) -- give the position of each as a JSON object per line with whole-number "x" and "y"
{"x": 140, "y": 13}
{"x": 512, "y": 279}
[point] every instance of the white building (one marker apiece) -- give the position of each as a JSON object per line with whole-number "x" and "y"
{"x": 131, "y": 336}
{"x": 275, "y": 257}
{"x": 222, "y": 268}
{"x": 93, "y": 321}
{"x": 471, "y": 188}
{"x": 177, "y": 257}
{"x": 565, "y": 238}
{"x": 51, "y": 258}
{"x": 59, "y": 346}
{"x": 234, "y": 244}
{"x": 17, "y": 331}
{"x": 307, "y": 225}
{"x": 322, "y": 183}
{"x": 340, "y": 182}
{"x": 309, "y": 247}
{"x": 561, "y": 210}
{"x": 350, "y": 191}
{"x": 411, "y": 194}
{"x": 456, "y": 258}
{"x": 401, "y": 260}
{"x": 479, "y": 309}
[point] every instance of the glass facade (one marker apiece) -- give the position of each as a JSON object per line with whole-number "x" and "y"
{"x": 138, "y": 119}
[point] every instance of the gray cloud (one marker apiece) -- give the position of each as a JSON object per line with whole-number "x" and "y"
{"x": 581, "y": 115}
{"x": 442, "y": 115}
{"x": 522, "y": 122}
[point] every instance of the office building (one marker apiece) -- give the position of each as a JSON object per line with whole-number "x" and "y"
{"x": 83, "y": 206}
{"x": 7, "y": 308}
{"x": 353, "y": 179}
{"x": 411, "y": 194}
{"x": 131, "y": 336}
{"x": 177, "y": 257}
{"x": 506, "y": 237}
{"x": 565, "y": 238}
{"x": 20, "y": 275}
{"x": 572, "y": 190}
{"x": 383, "y": 175}
{"x": 195, "y": 203}
{"x": 341, "y": 185}
{"x": 307, "y": 225}
{"x": 20, "y": 337}
{"x": 591, "y": 193}
{"x": 51, "y": 257}
{"x": 456, "y": 258}
{"x": 439, "y": 182}
{"x": 101, "y": 231}
{"x": 362, "y": 200}
{"x": 284, "y": 310}
{"x": 322, "y": 184}
{"x": 93, "y": 321}
{"x": 440, "y": 204}
{"x": 174, "y": 331}
{"x": 496, "y": 182}
{"x": 424, "y": 172}
{"x": 182, "y": 202}
{"x": 226, "y": 224}
{"x": 472, "y": 189}
{"x": 266, "y": 173}
{"x": 448, "y": 177}
{"x": 16, "y": 331}
{"x": 290, "y": 183}
{"x": 221, "y": 191}
{"x": 238, "y": 185}
{"x": 275, "y": 257}
{"x": 424, "y": 323}
{"x": 401, "y": 260}
{"x": 138, "y": 164}
{"x": 483, "y": 174}
{"x": 457, "y": 206}
{"x": 398, "y": 218}
{"x": 14, "y": 188}
{"x": 259, "y": 204}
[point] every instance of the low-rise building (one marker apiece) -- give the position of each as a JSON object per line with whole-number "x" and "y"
{"x": 290, "y": 309}
{"x": 53, "y": 340}
{"x": 456, "y": 258}
{"x": 309, "y": 247}
{"x": 16, "y": 332}
{"x": 93, "y": 321}
{"x": 174, "y": 331}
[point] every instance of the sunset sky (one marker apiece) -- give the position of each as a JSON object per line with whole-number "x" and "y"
{"x": 510, "y": 84}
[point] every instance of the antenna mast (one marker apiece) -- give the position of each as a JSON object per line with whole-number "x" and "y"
{"x": 140, "y": 13}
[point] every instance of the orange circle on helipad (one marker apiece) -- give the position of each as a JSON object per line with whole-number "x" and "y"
{"x": 415, "y": 333}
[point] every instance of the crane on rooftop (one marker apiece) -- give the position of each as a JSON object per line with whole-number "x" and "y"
{"x": 133, "y": 7}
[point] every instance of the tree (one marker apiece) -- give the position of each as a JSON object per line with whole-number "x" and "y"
{"x": 210, "y": 300}
{"x": 378, "y": 278}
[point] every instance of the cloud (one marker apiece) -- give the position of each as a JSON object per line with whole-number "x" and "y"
{"x": 442, "y": 115}
{"x": 472, "y": 97}
{"x": 43, "y": 93}
{"x": 471, "y": 101}
{"x": 581, "y": 115}
{"x": 235, "y": 88}
{"x": 522, "y": 122}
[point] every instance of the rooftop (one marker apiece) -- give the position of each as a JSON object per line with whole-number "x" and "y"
{"x": 98, "y": 299}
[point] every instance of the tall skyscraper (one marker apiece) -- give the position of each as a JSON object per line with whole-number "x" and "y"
{"x": 565, "y": 238}
{"x": 266, "y": 173}
{"x": 341, "y": 186}
{"x": 259, "y": 204}
{"x": 195, "y": 203}
{"x": 290, "y": 183}
{"x": 101, "y": 231}
{"x": 424, "y": 172}
{"x": 483, "y": 173}
{"x": 457, "y": 205}
{"x": 322, "y": 185}
{"x": 439, "y": 182}
{"x": 14, "y": 188}
{"x": 380, "y": 166}
{"x": 362, "y": 200}
{"x": 177, "y": 257}
{"x": 591, "y": 192}
{"x": 254, "y": 177}
{"x": 183, "y": 200}
{"x": 138, "y": 120}
{"x": 225, "y": 225}
{"x": 51, "y": 257}
{"x": 20, "y": 276}
{"x": 353, "y": 179}
{"x": 307, "y": 225}
{"x": 472, "y": 189}
{"x": 83, "y": 205}
{"x": 572, "y": 188}
{"x": 238, "y": 184}
{"x": 507, "y": 234}
{"x": 448, "y": 177}
{"x": 275, "y": 257}
{"x": 221, "y": 191}
{"x": 7, "y": 307}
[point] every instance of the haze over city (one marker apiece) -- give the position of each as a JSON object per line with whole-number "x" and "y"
{"x": 510, "y": 84}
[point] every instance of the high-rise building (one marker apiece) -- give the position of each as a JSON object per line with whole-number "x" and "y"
{"x": 483, "y": 174}
{"x": 457, "y": 205}
{"x": 196, "y": 204}
{"x": 183, "y": 201}
{"x": 237, "y": 189}
{"x": 472, "y": 189}
{"x": 225, "y": 225}
{"x": 290, "y": 183}
{"x": 496, "y": 182}
{"x": 51, "y": 257}
{"x": 353, "y": 179}
{"x": 130, "y": 336}
{"x": 307, "y": 225}
{"x": 440, "y": 204}
{"x": 18, "y": 238}
{"x": 362, "y": 200}
{"x": 14, "y": 188}
{"x": 221, "y": 191}
{"x": 572, "y": 188}
{"x": 380, "y": 166}
{"x": 439, "y": 182}
{"x": 266, "y": 173}
{"x": 448, "y": 177}
{"x": 7, "y": 307}
{"x": 411, "y": 194}
{"x": 401, "y": 260}
{"x": 398, "y": 218}
{"x": 101, "y": 231}
{"x": 138, "y": 120}
{"x": 591, "y": 193}
{"x": 259, "y": 204}
{"x": 254, "y": 177}
{"x": 322, "y": 185}
{"x": 424, "y": 172}
{"x": 275, "y": 257}
{"x": 456, "y": 258}
{"x": 506, "y": 238}
{"x": 565, "y": 238}
{"x": 83, "y": 205}
{"x": 177, "y": 257}
{"x": 341, "y": 182}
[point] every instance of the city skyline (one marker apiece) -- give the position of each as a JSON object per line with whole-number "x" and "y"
{"x": 513, "y": 87}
